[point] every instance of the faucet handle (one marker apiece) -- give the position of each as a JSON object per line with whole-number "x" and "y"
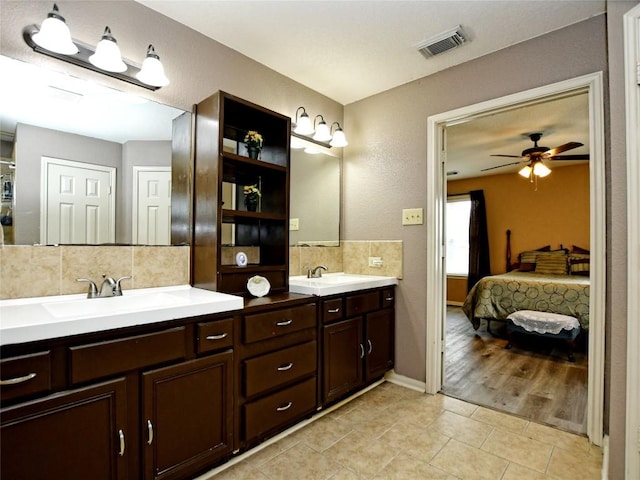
{"x": 117, "y": 290}
{"x": 93, "y": 289}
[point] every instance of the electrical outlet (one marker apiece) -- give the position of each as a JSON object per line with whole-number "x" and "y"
{"x": 294, "y": 224}
{"x": 376, "y": 262}
{"x": 412, "y": 216}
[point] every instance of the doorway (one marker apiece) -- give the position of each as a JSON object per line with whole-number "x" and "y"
{"x": 436, "y": 161}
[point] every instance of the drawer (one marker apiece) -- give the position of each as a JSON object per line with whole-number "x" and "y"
{"x": 25, "y": 375}
{"x": 263, "y": 326}
{"x": 268, "y": 371}
{"x": 388, "y": 297}
{"x": 279, "y": 409}
{"x": 332, "y": 310}
{"x": 112, "y": 357}
{"x": 362, "y": 303}
{"x": 214, "y": 335}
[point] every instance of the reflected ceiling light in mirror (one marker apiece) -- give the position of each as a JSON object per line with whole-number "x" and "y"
{"x": 54, "y": 34}
{"x": 303, "y": 123}
{"x": 108, "y": 56}
{"x": 322, "y": 130}
{"x": 338, "y": 138}
{"x": 152, "y": 71}
{"x": 104, "y": 58}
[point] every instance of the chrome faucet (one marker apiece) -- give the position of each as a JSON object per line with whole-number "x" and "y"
{"x": 109, "y": 287}
{"x": 316, "y": 272}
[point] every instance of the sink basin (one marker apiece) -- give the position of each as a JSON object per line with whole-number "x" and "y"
{"x": 91, "y": 307}
{"x": 337, "y": 283}
{"x": 32, "y": 319}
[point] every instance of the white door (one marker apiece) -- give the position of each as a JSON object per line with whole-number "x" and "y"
{"x": 152, "y": 205}
{"x": 79, "y": 204}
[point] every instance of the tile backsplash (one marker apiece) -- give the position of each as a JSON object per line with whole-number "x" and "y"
{"x": 38, "y": 271}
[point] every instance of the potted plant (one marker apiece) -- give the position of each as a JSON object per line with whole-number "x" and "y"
{"x": 251, "y": 197}
{"x": 253, "y": 143}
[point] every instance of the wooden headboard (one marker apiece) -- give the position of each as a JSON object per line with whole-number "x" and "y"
{"x": 508, "y": 250}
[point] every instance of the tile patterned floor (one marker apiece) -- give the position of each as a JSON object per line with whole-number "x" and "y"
{"x": 392, "y": 432}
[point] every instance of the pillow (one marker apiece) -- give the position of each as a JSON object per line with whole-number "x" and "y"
{"x": 576, "y": 249}
{"x": 579, "y": 264}
{"x": 551, "y": 264}
{"x": 529, "y": 256}
{"x": 527, "y": 267}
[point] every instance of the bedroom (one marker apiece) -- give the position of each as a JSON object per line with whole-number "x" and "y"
{"x": 534, "y": 379}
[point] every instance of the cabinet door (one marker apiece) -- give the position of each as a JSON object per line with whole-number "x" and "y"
{"x": 343, "y": 358}
{"x": 379, "y": 343}
{"x": 73, "y": 435}
{"x": 187, "y": 416}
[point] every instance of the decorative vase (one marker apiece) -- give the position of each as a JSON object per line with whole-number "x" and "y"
{"x": 251, "y": 202}
{"x": 253, "y": 152}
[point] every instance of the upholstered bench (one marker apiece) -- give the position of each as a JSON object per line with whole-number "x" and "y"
{"x": 544, "y": 324}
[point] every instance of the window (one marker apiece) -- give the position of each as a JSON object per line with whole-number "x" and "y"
{"x": 457, "y": 221}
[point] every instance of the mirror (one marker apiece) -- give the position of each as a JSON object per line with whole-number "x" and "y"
{"x": 88, "y": 123}
{"x": 113, "y": 143}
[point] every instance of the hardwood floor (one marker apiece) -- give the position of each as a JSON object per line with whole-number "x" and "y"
{"x": 533, "y": 380}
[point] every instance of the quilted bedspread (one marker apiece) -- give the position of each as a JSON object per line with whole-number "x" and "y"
{"x": 496, "y": 296}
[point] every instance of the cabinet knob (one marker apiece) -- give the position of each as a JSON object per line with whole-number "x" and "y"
{"x": 284, "y": 323}
{"x": 217, "y": 337}
{"x": 122, "y": 445}
{"x": 15, "y": 381}
{"x": 150, "y": 430}
{"x": 286, "y": 367}
{"x": 284, "y": 407}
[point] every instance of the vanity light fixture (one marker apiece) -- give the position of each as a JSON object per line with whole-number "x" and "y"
{"x": 322, "y": 130}
{"x": 338, "y": 138}
{"x": 303, "y": 124}
{"x": 54, "y": 39}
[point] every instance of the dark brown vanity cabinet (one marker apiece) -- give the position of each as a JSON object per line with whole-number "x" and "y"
{"x": 277, "y": 365}
{"x": 155, "y": 402}
{"x": 222, "y": 221}
{"x": 357, "y": 340}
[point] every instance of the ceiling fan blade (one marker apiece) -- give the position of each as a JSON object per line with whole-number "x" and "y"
{"x": 500, "y": 166}
{"x": 562, "y": 148}
{"x": 569, "y": 157}
{"x": 508, "y": 156}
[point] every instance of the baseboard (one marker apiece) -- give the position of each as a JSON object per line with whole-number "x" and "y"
{"x": 605, "y": 458}
{"x": 401, "y": 380}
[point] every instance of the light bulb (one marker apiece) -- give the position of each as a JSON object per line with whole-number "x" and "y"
{"x": 152, "y": 71}
{"x": 107, "y": 56}
{"x": 54, "y": 34}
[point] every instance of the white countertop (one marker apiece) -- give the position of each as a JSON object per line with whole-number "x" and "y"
{"x": 337, "y": 283}
{"x": 30, "y": 319}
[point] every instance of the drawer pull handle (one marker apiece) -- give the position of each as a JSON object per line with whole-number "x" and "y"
{"x": 284, "y": 407}
{"x": 14, "y": 381}
{"x": 150, "y": 430}
{"x": 389, "y": 299}
{"x": 370, "y": 346}
{"x": 122, "y": 445}
{"x": 333, "y": 310}
{"x": 217, "y": 337}
{"x": 286, "y": 367}
{"x": 284, "y": 323}
{"x": 361, "y": 351}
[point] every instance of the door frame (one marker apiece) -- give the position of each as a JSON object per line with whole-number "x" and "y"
{"x": 44, "y": 189}
{"x": 436, "y": 197}
{"x": 632, "y": 93}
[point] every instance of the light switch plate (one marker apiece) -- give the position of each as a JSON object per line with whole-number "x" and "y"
{"x": 412, "y": 216}
{"x": 294, "y": 224}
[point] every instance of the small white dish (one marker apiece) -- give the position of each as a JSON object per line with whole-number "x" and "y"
{"x": 258, "y": 286}
{"x": 241, "y": 259}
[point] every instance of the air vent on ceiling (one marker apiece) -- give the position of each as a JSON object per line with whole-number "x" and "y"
{"x": 443, "y": 42}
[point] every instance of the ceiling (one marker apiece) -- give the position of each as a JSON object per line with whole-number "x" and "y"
{"x": 349, "y": 50}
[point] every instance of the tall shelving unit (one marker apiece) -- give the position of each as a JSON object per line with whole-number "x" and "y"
{"x": 222, "y": 165}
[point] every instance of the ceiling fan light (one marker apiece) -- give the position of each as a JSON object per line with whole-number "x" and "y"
{"x": 54, "y": 34}
{"x": 152, "y": 71}
{"x": 108, "y": 56}
{"x": 541, "y": 170}
{"x": 525, "y": 171}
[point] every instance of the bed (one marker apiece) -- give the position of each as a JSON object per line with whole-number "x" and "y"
{"x": 544, "y": 280}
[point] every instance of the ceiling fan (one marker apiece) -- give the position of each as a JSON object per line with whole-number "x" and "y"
{"x": 536, "y": 154}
